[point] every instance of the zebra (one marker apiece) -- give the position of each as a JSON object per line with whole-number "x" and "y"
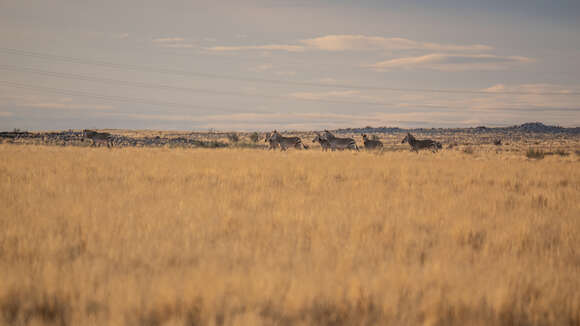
{"x": 340, "y": 143}
{"x": 371, "y": 143}
{"x": 285, "y": 142}
{"x": 98, "y": 138}
{"x": 324, "y": 143}
{"x": 417, "y": 144}
{"x": 272, "y": 144}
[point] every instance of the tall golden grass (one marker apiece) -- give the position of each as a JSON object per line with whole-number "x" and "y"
{"x": 91, "y": 236}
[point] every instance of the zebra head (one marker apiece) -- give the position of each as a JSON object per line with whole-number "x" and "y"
{"x": 408, "y": 139}
{"x": 328, "y": 134}
{"x": 317, "y": 138}
{"x": 274, "y": 136}
{"x": 364, "y": 136}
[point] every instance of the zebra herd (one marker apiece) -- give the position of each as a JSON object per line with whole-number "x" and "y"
{"x": 329, "y": 141}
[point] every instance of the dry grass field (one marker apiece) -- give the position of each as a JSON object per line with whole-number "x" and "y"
{"x": 159, "y": 236}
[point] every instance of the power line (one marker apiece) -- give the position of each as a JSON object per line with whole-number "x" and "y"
{"x": 124, "y": 66}
{"x": 114, "y": 98}
{"x": 175, "y": 88}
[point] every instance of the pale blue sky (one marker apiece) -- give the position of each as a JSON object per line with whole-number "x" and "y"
{"x": 260, "y": 65}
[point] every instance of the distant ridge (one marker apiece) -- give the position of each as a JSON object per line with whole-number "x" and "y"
{"x": 530, "y": 127}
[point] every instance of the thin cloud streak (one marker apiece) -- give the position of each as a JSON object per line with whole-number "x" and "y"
{"x": 270, "y": 47}
{"x": 335, "y": 43}
{"x": 167, "y": 40}
{"x": 452, "y": 62}
{"x": 365, "y": 43}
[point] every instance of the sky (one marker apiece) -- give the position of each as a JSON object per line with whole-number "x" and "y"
{"x": 287, "y": 65}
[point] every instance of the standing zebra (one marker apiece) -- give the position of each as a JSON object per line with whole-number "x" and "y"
{"x": 371, "y": 143}
{"x": 324, "y": 143}
{"x": 417, "y": 144}
{"x": 98, "y": 138}
{"x": 271, "y": 143}
{"x": 285, "y": 142}
{"x": 340, "y": 143}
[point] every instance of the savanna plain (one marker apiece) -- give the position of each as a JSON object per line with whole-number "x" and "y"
{"x": 173, "y": 236}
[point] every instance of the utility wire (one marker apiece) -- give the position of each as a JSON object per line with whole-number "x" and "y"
{"x": 124, "y": 66}
{"x": 114, "y": 98}
{"x": 175, "y": 88}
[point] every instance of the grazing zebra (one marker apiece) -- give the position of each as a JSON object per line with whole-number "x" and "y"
{"x": 324, "y": 143}
{"x": 340, "y": 143}
{"x": 417, "y": 144}
{"x": 371, "y": 143}
{"x": 98, "y": 138}
{"x": 285, "y": 142}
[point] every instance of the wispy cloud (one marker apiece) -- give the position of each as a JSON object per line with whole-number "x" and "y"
{"x": 527, "y": 97}
{"x": 269, "y": 47}
{"x": 64, "y": 103}
{"x": 452, "y": 62}
{"x": 67, "y": 106}
{"x": 362, "y": 42}
{"x": 173, "y": 42}
{"x": 167, "y": 40}
{"x": 326, "y": 95}
{"x": 356, "y": 43}
{"x": 178, "y": 45}
{"x": 534, "y": 89}
{"x": 342, "y": 96}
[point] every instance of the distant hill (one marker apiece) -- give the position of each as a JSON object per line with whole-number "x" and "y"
{"x": 531, "y": 127}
